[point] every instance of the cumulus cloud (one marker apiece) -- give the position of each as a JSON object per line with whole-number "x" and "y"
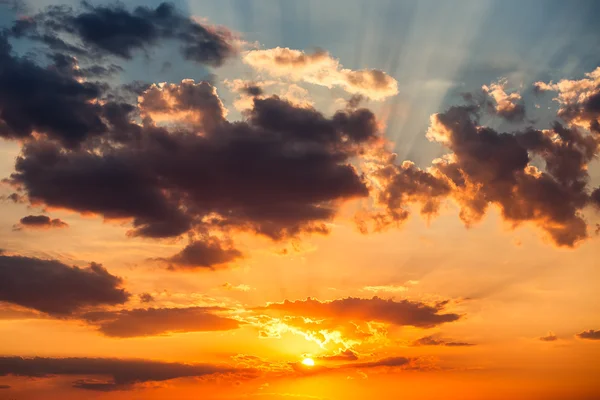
{"x": 159, "y": 321}
{"x": 488, "y": 167}
{"x": 55, "y": 288}
{"x": 40, "y": 222}
{"x": 320, "y": 68}
{"x": 434, "y": 340}
{"x": 402, "y": 313}
{"x": 590, "y": 334}
{"x": 506, "y": 105}
{"x": 579, "y": 99}
{"x": 207, "y": 253}
{"x": 114, "y": 30}
{"x": 281, "y": 172}
{"x": 122, "y": 374}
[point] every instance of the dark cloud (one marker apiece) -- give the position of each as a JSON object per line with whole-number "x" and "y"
{"x": 433, "y": 340}
{"x": 590, "y": 334}
{"x": 146, "y": 298}
{"x": 279, "y": 173}
{"x": 4, "y": 387}
{"x": 55, "y": 288}
{"x": 46, "y": 100}
{"x": 40, "y": 222}
{"x": 488, "y": 167}
{"x": 114, "y": 30}
{"x": 124, "y": 374}
{"x": 402, "y": 313}
{"x": 206, "y": 253}
{"x": 346, "y": 355}
{"x": 550, "y": 337}
{"x": 159, "y": 321}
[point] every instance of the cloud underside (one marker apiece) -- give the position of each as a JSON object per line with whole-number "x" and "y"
{"x": 105, "y": 374}
{"x": 55, "y": 288}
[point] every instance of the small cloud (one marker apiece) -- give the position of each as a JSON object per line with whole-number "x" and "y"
{"x": 590, "y": 334}
{"x": 237, "y": 288}
{"x": 39, "y": 222}
{"x": 146, "y": 298}
{"x": 550, "y": 337}
{"x": 433, "y": 340}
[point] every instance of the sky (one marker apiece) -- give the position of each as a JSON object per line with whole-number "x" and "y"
{"x": 299, "y": 200}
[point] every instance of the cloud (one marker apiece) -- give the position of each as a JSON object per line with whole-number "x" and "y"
{"x": 434, "y": 340}
{"x": 146, "y": 298}
{"x": 281, "y": 172}
{"x": 206, "y": 253}
{"x": 123, "y": 374}
{"x": 40, "y": 222}
{"x": 4, "y": 387}
{"x": 237, "y": 288}
{"x": 320, "y": 68}
{"x": 346, "y": 355}
{"x": 590, "y": 334}
{"x": 402, "y": 313}
{"x": 159, "y": 321}
{"x": 196, "y": 104}
{"x": 550, "y": 337}
{"x": 579, "y": 99}
{"x": 55, "y": 288}
{"x": 506, "y": 105}
{"x": 487, "y": 167}
{"x": 114, "y": 30}
{"x": 43, "y": 100}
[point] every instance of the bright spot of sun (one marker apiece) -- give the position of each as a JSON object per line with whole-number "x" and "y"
{"x": 309, "y": 362}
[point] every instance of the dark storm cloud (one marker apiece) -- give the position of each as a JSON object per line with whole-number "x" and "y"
{"x": 40, "y": 222}
{"x": 278, "y": 174}
{"x": 206, "y": 253}
{"x": 159, "y": 321}
{"x": 402, "y": 313}
{"x": 489, "y": 167}
{"x": 124, "y": 374}
{"x": 590, "y": 334}
{"x": 437, "y": 341}
{"x": 55, "y": 288}
{"x": 114, "y": 30}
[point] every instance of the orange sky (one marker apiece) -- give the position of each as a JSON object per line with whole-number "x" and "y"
{"x": 208, "y": 236}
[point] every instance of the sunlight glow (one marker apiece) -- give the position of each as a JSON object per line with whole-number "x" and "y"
{"x": 309, "y": 362}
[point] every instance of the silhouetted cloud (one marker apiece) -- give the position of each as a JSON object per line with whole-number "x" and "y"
{"x": 55, "y": 288}
{"x": 281, "y": 172}
{"x": 488, "y": 167}
{"x": 40, "y": 222}
{"x": 114, "y": 30}
{"x": 205, "y": 253}
{"x": 403, "y": 313}
{"x": 550, "y": 337}
{"x": 590, "y": 334}
{"x": 159, "y": 321}
{"x": 434, "y": 340}
{"x": 4, "y": 387}
{"x": 146, "y": 298}
{"x": 123, "y": 374}
{"x": 320, "y": 68}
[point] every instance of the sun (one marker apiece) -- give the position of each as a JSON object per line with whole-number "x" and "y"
{"x": 309, "y": 362}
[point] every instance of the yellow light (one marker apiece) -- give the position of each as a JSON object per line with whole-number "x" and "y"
{"x": 309, "y": 362}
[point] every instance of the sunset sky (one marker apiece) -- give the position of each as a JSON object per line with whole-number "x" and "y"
{"x": 303, "y": 200}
